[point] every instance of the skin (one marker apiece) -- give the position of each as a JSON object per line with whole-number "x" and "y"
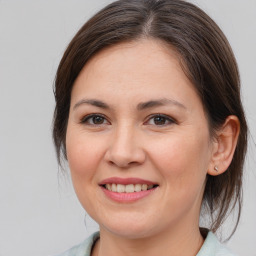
{"x": 176, "y": 153}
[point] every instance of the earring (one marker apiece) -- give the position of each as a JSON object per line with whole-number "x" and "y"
{"x": 216, "y": 168}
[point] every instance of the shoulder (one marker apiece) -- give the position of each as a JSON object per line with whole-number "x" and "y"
{"x": 212, "y": 247}
{"x": 82, "y": 249}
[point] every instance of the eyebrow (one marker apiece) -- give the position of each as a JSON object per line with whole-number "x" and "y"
{"x": 141, "y": 106}
{"x": 159, "y": 102}
{"x": 93, "y": 102}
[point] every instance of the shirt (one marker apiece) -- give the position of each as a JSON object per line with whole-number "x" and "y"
{"x": 210, "y": 247}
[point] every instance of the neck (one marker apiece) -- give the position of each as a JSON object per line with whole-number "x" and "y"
{"x": 175, "y": 242}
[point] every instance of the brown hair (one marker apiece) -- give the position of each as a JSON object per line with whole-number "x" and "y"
{"x": 207, "y": 60}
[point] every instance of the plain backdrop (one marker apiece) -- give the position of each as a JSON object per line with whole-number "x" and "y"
{"x": 39, "y": 212}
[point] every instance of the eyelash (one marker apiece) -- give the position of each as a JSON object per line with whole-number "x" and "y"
{"x": 165, "y": 117}
{"x": 86, "y": 119}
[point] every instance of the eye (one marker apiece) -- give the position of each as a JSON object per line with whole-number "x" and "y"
{"x": 160, "y": 120}
{"x": 94, "y": 119}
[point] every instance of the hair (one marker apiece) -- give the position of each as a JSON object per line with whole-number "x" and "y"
{"x": 206, "y": 58}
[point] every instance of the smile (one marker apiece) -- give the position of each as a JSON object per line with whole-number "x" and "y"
{"x": 127, "y": 190}
{"x": 130, "y": 188}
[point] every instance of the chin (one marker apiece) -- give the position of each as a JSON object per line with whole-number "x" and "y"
{"x": 131, "y": 232}
{"x": 131, "y": 227}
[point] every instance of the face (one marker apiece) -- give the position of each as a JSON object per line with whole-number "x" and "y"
{"x": 138, "y": 142}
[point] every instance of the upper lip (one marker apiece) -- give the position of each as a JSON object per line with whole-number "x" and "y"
{"x": 126, "y": 181}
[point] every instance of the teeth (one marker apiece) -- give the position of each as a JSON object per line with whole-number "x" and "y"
{"x": 144, "y": 187}
{"x": 137, "y": 187}
{"x": 113, "y": 187}
{"x": 130, "y": 188}
{"x": 150, "y": 186}
{"x": 120, "y": 188}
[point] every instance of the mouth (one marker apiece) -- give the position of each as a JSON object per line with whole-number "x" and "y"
{"x": 129, "y": 188}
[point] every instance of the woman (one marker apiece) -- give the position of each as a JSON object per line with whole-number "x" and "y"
{"x": 149, "y": 117}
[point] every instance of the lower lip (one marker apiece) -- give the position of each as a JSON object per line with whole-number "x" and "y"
{"x": 127, "y": 197}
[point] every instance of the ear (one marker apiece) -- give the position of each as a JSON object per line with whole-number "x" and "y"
{"x": 224, "y": 146}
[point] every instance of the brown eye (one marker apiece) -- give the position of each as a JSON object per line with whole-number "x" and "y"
{"x": 160, "y": 120}
{"x": 97, "y": 120}
{"x": 94, "y": 120}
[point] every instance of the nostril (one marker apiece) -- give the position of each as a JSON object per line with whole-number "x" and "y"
{"x": 124, "y": 156}
{"x": 111, "y": 163}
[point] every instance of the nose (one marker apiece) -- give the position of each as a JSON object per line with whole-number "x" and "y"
{"x": 125, "y": 149}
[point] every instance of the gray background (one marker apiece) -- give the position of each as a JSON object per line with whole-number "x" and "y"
{"x": 39, "y": 213}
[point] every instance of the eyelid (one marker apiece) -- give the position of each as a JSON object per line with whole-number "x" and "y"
{"x": 85, "y": 118}
{"x": 167, "y": 117}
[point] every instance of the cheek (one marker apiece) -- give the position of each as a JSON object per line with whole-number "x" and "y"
{"x": 181, "y": 160}
{"x": 84, "y": 154}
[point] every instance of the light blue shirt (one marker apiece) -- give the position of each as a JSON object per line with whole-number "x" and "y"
{"x": 211, "y": 247}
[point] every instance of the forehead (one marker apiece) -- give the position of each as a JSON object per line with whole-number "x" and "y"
{"x": 144, "y": 69}
{"x": 152, "y": 53}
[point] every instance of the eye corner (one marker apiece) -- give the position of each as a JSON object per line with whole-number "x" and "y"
{"x": 160, "y": 120}
{"x": 94, "y": 119}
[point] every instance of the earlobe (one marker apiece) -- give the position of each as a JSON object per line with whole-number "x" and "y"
{"x": 225, "y": 145}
